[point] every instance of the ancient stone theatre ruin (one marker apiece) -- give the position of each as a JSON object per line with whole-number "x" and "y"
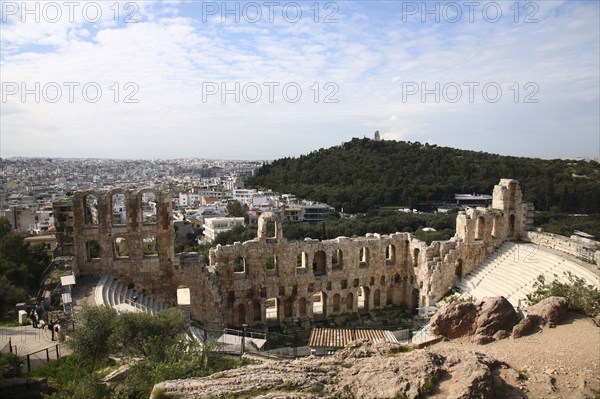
{"x": 270, "y": 280}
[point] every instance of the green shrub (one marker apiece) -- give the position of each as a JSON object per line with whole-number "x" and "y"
{"x": 10, "y": 365}
{"x": 583, "y": 298}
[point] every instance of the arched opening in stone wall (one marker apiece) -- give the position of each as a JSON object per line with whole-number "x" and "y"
{"x": 301, "y": 260}
{"x": 349, "y": 302}
{"x": 511, "y": 225}
{"x": 239, "y": 265}
{"x": 363, "y": 257}
{"x": 389, "y": 296}
{"x": 121, "y": 248}
{"x": 479, "y": 230}
{"x": 272, "y": 309}
{"x": 390, "y": 254}
{"x": 376, "y": 298}
{"x": 363, "y": 299}
{"x": 302, "y": 306}
{"x": 458, "y": 270}
{"x": 90, "y": 209}
{"x": 320, "y": 263}
{"x": 512, "y": 188}
{"x": 150, "y": 245}
{"x": 337, "y": 259}
{"x": 336, "y": 303}
{"x": 271, "y": 229}
{"x": 92, "y": 249}
{"x": 288, "y": 308}
{"x": 382, "y": 280}
{"x": 496, "y": 226}
{"x": 241, "y": 314}
{"x": 271, "y": 263}
{"x": 415, "y": 301}
{"x": 256, "y": 311}
{"x": 148, "y": 208}
{"x": 416, "y": 257}
{"x": 320, "y": 305}
{"x": 119, "y": 209}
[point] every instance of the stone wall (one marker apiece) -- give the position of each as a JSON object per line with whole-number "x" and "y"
{"x": 269, "y": 280}
{"x": 584, "y": 249}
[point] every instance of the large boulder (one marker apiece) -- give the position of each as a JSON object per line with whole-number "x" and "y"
{"x": 551, "y": 310}
{"x": 455, "y": 320}
{"x": 526, "y": 326}
{"x": 495, "y": 314}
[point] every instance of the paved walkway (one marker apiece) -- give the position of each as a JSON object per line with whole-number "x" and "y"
{"x": 27, "y": 340}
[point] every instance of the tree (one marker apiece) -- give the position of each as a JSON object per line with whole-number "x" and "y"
{"x": 90, "y": 340}
{"x": 235, "y": 209}
{"x": 5, "y": 227}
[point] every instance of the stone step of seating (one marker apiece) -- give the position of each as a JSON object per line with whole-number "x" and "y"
{"x": 99, "y": 290}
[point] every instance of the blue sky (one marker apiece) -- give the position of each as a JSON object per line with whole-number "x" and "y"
{"x": 261, "y": 80}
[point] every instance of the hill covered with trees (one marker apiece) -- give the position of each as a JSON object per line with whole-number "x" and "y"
{"x": 364, "y": 174}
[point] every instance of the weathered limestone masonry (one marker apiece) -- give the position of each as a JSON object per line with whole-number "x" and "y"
{"x": 582, "y": 248}
{"x": 269, "y": 280}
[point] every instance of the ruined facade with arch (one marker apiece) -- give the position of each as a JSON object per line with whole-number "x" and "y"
{"x": 270, "y": 280}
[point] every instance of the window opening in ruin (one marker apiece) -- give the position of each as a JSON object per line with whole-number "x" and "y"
{"x": 271, "y": 263}
{"x": 349, "y": 302}
{"x": 336, "y": 303}
{"x": 241, "y": 314}
{"x": 416, "y": 257}
{"x": 320, "y": 263}
{"x": 320, "y": 304}
{"x": 119, "y": 210}
{"x": 355, "y": 283}
{"x": 376, "y": 298}
{"x": 150, "y": 246}
{"x": 271, "y": 309}
{"x": 239, "y": 265}
{"x": 256, "y": 311}
{"x": 390, "y": 254}
{"x": 148, "y": 208}
{"x": 363, "y": 299}
{"x": 288, "y": 308}
{"x": 337, "y": 260}
{"x": 458, "y": 272}
{"x": 344, "y": 284}
{"x": 90, "y": 204}
{"x": 390, "y": 296}
{"x": 480, "y": 228}
{"x": 301, "y": 260}
{"x": 511, "y": 225}
{"x": 496, "y": 226}
{"x": 121, "y": 248}
{"x": 382, "y": 280}
{"x": 302, "y": 306}
{"x": 364, "y": 257}
{"x": 92, "y": 249}
{"x": 271, "y": 229}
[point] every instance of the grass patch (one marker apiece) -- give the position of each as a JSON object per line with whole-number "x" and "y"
{"x": 523, "y": 375}
{"x": 11, "y": 322}
{"x": 429, "y": 385}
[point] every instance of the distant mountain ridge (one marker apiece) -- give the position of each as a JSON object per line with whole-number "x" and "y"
{"x": 363, "y": 174}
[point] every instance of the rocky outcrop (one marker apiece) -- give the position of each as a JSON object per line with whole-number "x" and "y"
{"x": 526, "y": 326}
{"x": 495, "y": 314}
{"x": 455, "y": 321}
{"x": 486, "y": 320}
{"x": 550, "y": 311}
{"x": 362, "y": 370}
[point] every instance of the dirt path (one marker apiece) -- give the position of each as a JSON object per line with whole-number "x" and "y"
{"x": 561, "y": 362}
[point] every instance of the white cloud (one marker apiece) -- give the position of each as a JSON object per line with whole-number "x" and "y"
{"x": 369, "y": 54}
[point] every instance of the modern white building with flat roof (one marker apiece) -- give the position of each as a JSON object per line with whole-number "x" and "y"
{"x": 214, "y": 226}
